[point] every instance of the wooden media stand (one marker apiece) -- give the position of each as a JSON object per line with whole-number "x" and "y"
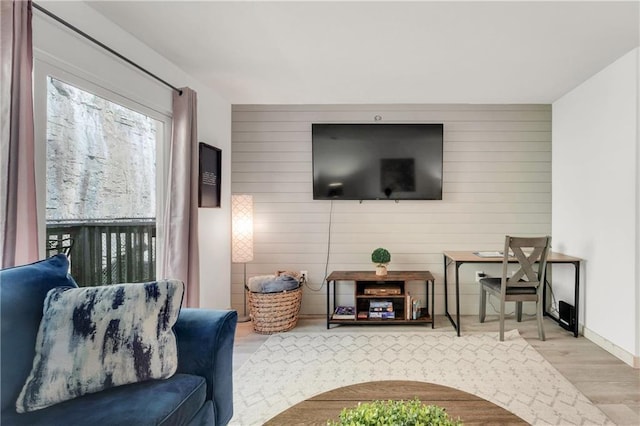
{"x": 391, "y": 288}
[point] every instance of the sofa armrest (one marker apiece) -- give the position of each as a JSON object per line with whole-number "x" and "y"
{"x": 205, "y": 348}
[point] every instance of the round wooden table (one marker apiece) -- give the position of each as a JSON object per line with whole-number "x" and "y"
{"x": 469, "y": 408}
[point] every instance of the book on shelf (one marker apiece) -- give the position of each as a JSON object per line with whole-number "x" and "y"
{"x": 344, "y": 312}
{"x": 412, "y": 307}
{"x": 380, "y": 306}
{"x": 381, "y": 309}
{"x": 382, "y": 315}
{"x": 416, "y": 308}
{"x": 363, "y": 315}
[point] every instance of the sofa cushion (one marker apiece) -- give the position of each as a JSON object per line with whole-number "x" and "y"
{"x": 22, "y": 292}
{"x": 205, "y": 417}
{"x": 173, "y": 401}
{"x": 94, "y": 338}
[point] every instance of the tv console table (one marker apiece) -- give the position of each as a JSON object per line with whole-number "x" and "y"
{"x": 367, "y": 280}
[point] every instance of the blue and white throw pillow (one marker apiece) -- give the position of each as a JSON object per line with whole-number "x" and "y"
{"x": 94, "y": 338}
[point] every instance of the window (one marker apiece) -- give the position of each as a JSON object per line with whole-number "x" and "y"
{"x": 101, "y": 185}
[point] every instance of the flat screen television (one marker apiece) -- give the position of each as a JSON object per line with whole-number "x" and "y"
{"x": 377, "y": 161}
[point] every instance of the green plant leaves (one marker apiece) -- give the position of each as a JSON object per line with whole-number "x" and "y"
{"x": 381, "y": 256}
{"x": 396, "y": 413}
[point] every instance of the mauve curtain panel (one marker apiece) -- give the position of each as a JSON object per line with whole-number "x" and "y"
{"x": 18, "y": 218}
{"x": 180, "y": 247}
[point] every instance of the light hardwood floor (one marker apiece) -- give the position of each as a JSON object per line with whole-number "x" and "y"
{"x": 608, "y": 382}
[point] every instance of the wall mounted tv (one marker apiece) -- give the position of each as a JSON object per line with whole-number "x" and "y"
{"x": 377, "y": 161}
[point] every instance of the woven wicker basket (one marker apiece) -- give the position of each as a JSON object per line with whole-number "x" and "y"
{"x": 274, "y": 312}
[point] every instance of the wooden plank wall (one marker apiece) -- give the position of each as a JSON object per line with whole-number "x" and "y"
{"x": 496, "y": 181}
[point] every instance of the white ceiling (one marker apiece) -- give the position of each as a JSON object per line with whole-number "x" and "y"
{"x": 384, "y": 52}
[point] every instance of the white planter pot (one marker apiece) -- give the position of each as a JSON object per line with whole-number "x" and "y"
{"x": 381, "y": 270}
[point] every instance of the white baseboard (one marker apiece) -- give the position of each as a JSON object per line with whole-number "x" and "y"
{"x": 613, "y": 349}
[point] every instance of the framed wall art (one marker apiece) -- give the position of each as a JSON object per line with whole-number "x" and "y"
{"x": 209, "y": 171}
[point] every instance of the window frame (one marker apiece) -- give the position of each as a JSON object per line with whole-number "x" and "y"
{"x": 47, "y": 67}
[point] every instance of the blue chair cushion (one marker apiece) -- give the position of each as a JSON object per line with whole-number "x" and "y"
{"x": 22, "y": 293}
{"x": 205, "y": 417}
{"x": 173, "y": 401}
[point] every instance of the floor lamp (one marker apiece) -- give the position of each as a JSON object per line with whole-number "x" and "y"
{"x": 242, "y": 239}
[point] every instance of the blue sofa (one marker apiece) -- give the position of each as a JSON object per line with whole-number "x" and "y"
{"x": 200, "y": 393}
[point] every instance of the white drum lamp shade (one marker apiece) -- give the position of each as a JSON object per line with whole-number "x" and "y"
{"x": 241, "y": 228}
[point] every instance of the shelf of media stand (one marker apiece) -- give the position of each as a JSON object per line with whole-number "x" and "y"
{"x": 367, "y": 280}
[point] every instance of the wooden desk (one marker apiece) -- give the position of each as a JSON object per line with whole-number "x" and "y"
{"x": 459, "y": 258}
{"x": 471, "y": 409}
{"x": 361, "y": 278}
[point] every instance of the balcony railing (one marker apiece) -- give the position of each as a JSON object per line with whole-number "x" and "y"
{"x": 106, "y": 251}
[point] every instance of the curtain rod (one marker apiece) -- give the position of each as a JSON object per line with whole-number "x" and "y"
{"x": 104, "y": 46}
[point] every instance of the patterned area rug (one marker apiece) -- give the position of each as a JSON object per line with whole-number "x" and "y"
{"x": 291, "y": 367}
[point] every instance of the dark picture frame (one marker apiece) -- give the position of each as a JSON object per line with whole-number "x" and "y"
{"x": 209, "y": 174}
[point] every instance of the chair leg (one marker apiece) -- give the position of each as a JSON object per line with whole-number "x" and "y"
{"x": 483, "y": 304}
{"x": 519, "y": 311}
{"x": 539, "y": 315}
{"x": 502, "y": 320}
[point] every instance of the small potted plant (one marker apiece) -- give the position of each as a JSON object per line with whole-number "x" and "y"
{"x": 401, "y": 413}
{"x": 381, "y": 257}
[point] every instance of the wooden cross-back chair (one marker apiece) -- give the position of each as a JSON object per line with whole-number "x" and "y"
{"x": 525, "y": 285}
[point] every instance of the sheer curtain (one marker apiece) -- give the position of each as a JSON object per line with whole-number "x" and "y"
{"x": 18, "y": 218}
{"x": 180, "y": 247}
